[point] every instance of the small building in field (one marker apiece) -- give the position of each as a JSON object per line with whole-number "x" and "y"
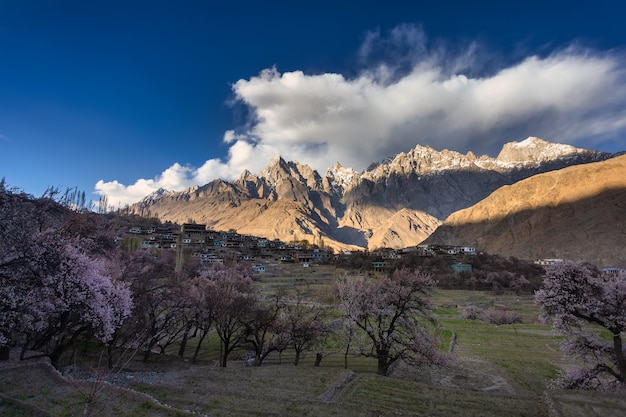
{"x": 380, "y": 265}
{"x": 612, "y": 272}
{"x": 461, "y": 267}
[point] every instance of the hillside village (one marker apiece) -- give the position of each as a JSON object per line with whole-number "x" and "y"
{"x": 211, "y": 246}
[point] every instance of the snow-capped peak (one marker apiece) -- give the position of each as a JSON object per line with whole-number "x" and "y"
{"x": 533, "y": 150}
{"x": 155, "y": 195}
{"x": 341, "y": 177}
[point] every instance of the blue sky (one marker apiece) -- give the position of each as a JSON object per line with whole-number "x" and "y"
{"x": 123, "y": 97}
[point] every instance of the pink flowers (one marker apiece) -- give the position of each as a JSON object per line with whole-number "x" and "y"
{"x": 393, "y": 312}
{"x": 51, "y": 290}
{"x": 579, "y": 301}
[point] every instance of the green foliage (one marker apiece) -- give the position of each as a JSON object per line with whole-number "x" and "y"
{"x": 130, "y": 244}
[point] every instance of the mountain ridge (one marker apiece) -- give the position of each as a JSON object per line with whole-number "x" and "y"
{"x": 350, "y": 210}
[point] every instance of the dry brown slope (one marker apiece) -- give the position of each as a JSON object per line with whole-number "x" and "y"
{"x": 574, "y": 213}
{"x": 284, "y": 219}
{"x": 290, "y": 220}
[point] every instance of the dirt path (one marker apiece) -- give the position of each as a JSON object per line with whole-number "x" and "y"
{"x": 329, "y": 395}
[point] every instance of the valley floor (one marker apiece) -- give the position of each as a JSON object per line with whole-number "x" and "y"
{"x": 469, "y": 388}
{"x": 501, "y": 371}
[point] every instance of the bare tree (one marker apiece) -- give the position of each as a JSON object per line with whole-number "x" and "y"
{"x": 160, "y": 318}
{"x": 262, "y": 330}
{"x": 304, "y": 325}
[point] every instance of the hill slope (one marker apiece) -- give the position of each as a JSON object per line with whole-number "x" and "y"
{"x": 574, "y": 213}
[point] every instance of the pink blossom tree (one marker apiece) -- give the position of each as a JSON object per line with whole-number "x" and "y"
{"x": 394, "y": 312}
{"x": 202, "y": 292}
{"x": 162, "y": 312}
{"x": 501, "y": 315}
{"x": 233, "y": 300}
{"x": 51, "y": 290}
{"x": 590, "y": 309}
{"x": 56, "y": 293}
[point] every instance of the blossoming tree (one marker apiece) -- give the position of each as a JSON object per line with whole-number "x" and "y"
{"x": 394, "y": 312}
{"x": 590, "y": 309}
{"x": 51, "y": 290}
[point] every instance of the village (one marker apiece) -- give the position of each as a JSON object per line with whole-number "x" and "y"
{"x": 211, "y": 246}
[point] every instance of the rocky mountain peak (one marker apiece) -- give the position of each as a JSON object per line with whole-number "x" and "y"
{"x": 247, "y": 176}
{"x": 155, "y": 195}
{"x": 421, "y": 160}
{"x": 279, "y": 170}
{"x": 534, "y": 150}
{"x": 275, "y": 170}
{"x": 340, "y": 177}
{"x": 307, "y": 175}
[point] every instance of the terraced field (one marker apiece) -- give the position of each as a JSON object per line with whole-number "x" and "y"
{"x": 499, "y": 371}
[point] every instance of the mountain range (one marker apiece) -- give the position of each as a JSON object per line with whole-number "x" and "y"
{"x": 398, "y": 202}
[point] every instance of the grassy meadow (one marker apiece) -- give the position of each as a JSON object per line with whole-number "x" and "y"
{"x": 499, "y": 371}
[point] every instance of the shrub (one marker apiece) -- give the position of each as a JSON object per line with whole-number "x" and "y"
{"x": 472, "y": 313}
{"x": 502, "y": 316}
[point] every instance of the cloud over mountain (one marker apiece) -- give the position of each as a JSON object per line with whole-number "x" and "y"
{"x": 411, "y": 91}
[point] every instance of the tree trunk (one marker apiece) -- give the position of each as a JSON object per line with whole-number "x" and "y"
{"x": 296, "y": 360}
{"x": 347, "y": 351}
{"x": 110, "y": 356}
{"x": 183, "y": 343}
{"x": 23, "y": 351}
{"x": 55, "y": 357}
{"x": 619, "y": 357}
{"x": 5, "y": 353}
{"x": 318, "y": 358}
{"x": 195, "y": 353}
{"x": 383, "y": 363}
{"x": 225, "y": 347}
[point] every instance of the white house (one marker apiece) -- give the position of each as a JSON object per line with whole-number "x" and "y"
{"x": 548, "y": 261}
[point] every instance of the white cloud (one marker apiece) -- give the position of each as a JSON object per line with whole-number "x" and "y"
{"x": 432, "y": 96}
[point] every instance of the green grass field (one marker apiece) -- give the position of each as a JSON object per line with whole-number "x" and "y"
{"x": 500, "y": 371}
